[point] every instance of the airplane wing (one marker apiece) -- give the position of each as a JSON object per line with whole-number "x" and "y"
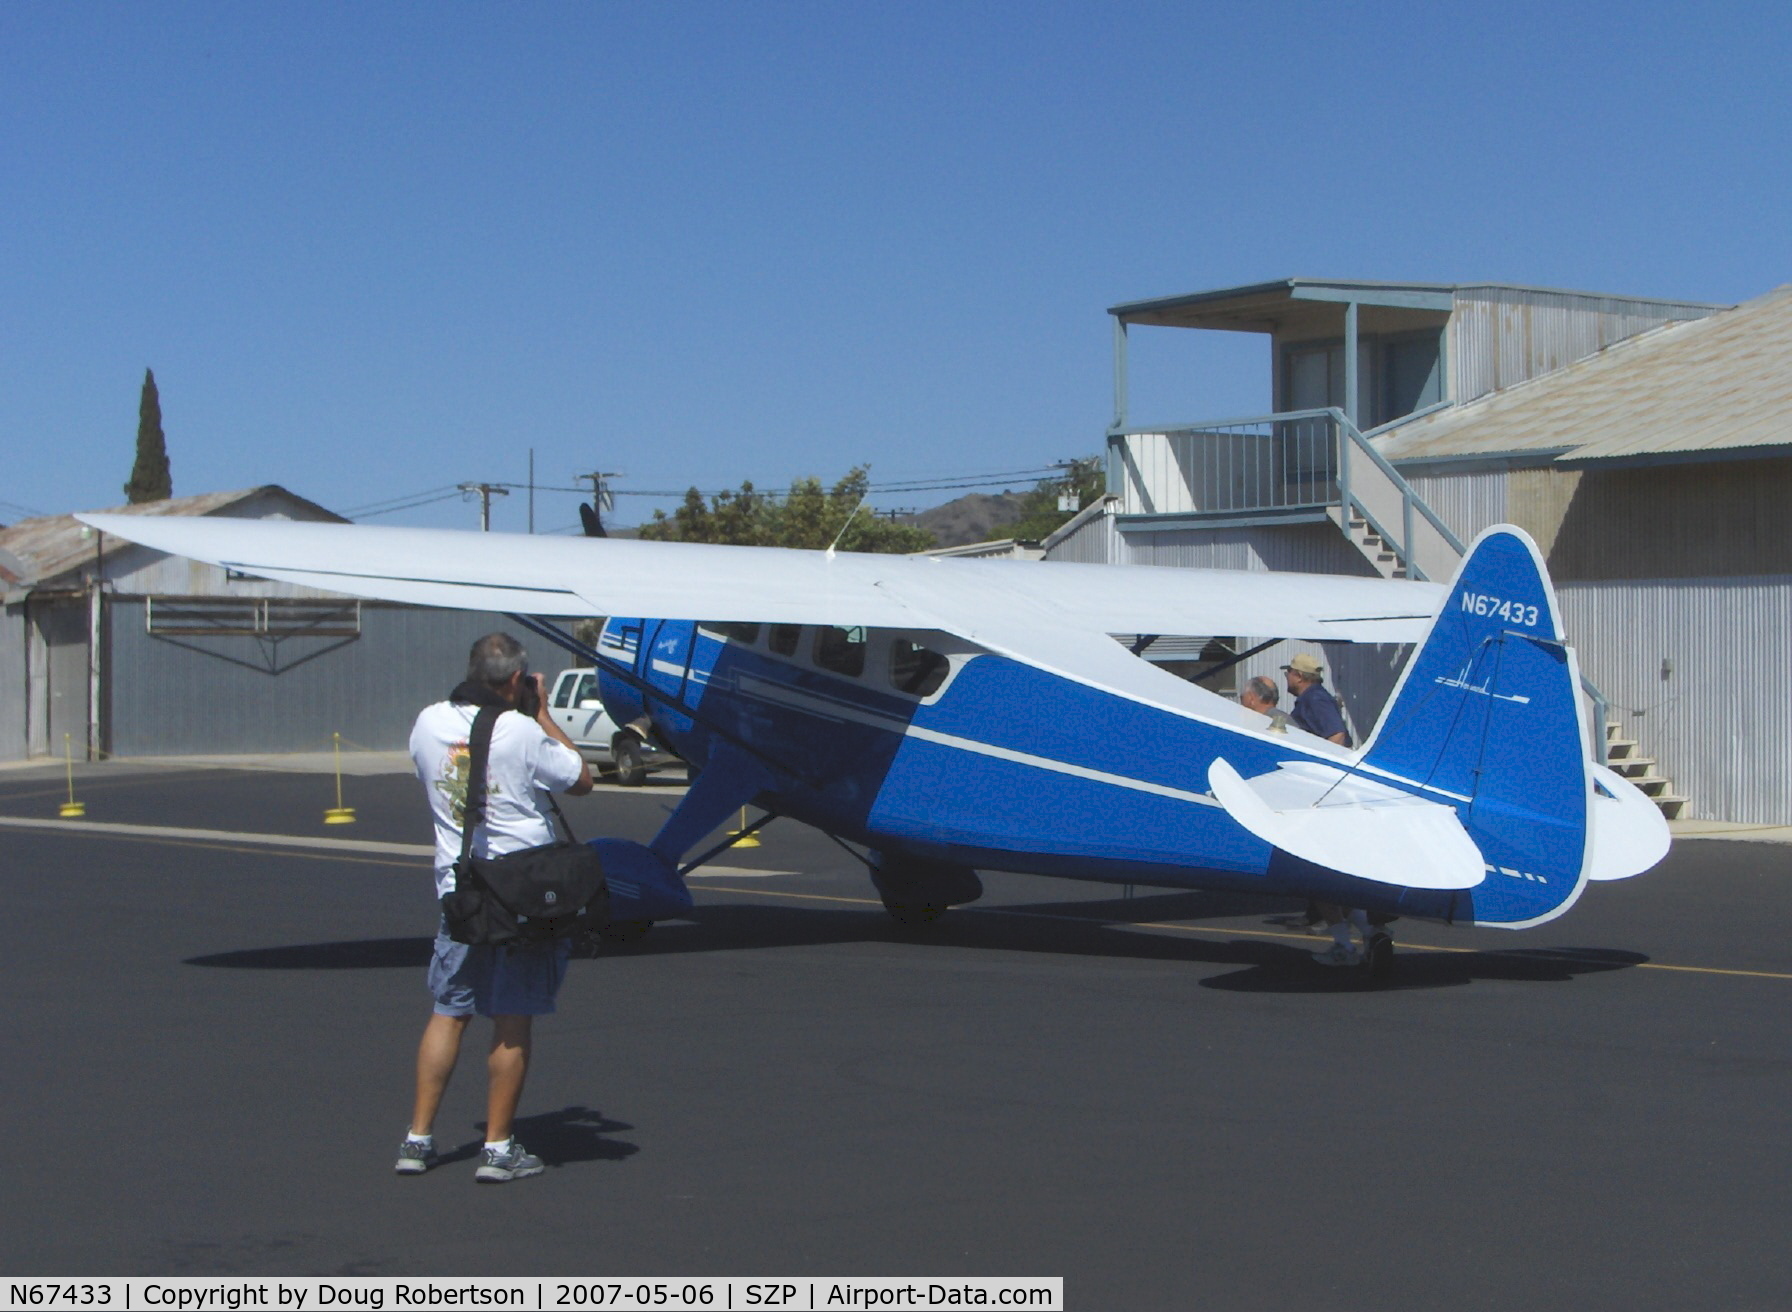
{"x": 577, "y": 577}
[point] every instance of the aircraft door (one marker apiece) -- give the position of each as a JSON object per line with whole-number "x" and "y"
{"x": 667, "y": 651}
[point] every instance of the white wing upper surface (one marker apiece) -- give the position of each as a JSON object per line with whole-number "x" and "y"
{"x": 975, "y": 599}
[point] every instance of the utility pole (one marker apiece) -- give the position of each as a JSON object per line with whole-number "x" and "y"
{"x": 601, "y": 500}
{"x": 485, "y": 492}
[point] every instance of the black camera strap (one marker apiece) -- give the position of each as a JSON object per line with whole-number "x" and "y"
{"x": 479, "y": 748}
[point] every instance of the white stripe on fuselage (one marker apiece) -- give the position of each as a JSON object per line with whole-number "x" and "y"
{"x": 839, "y": 710}
{"x": 835, "y": 709}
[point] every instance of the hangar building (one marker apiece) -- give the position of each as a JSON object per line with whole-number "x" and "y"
{"x": 1646, "y": 445}
{"x": 119, "y": 650}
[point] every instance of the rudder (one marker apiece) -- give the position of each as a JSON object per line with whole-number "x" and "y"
{"x": 1488, "y": 716}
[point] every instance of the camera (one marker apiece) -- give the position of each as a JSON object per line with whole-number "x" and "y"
{"x": 528, "y": 697}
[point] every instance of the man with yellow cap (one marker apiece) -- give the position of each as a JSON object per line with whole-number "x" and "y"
{"x": 1315, "y": 709}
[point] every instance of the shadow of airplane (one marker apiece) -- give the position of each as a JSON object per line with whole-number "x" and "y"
{"x": 1149, "y": 928}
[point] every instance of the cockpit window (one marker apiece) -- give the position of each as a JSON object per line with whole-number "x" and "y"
{"x": 785, "y": 638}
{"x": 747, "y": 635}
{"x": 915, "y": 669}
{"x": 841, "y": 650}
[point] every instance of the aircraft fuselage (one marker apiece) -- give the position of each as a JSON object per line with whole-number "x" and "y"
{"x": 1003, "y": 766}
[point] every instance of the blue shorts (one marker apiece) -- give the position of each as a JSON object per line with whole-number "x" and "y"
{"x": 493, "y": 981}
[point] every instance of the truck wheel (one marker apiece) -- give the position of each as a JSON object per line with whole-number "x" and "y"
{"x": 631, "y": 769}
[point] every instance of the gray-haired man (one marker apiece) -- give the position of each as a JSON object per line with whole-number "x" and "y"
{"x": 529, "y": 753}
{"x": 1261, "y": 695}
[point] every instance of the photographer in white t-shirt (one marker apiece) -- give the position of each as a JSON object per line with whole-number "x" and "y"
{"x": 529, "y": 753}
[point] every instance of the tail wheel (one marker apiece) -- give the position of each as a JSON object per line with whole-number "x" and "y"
{"x": 631, "y": 766}
{"x": 913, "y": 917}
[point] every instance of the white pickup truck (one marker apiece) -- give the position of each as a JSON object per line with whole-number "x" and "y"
{"x": 629, "y": 751}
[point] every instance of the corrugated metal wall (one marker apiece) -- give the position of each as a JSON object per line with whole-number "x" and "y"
{"x": 1292, "y": 548}
{"x": 1503, "y": 335}
{"x": 1094, "y": 542}
{"x": 1468, "y": 503}
{"x": 169, "y": 699}
{"x": 12, "y": 683}
{"x": 1720, "y": 730}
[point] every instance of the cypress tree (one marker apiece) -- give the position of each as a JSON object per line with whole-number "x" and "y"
{"x": 150, "y": 480}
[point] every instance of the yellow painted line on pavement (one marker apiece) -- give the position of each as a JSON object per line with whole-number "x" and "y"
{"x": 319, "y": 848}
{"x": 115, "y": 829}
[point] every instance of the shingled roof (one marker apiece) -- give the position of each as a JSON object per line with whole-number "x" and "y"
{"x": 52, "y": 546}
{"x": 1703, "y": 389}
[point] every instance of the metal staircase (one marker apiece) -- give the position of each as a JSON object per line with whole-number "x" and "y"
{"x": 1621, "y": 755}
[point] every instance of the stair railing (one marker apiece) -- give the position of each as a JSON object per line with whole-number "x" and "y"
{"x": 1411, "y": 503}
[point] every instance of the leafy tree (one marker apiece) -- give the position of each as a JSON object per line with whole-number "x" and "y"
{"x": 806, "y": 516}
{"x": 1086, "y": 479}
{"x": 150, "y": 480}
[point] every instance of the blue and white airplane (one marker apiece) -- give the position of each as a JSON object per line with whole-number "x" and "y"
{"x": 952, "y": 716}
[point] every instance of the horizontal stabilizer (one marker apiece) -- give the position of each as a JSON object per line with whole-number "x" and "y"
{"x": 1352, "y": 825}
{"x": 1629, "y": 832}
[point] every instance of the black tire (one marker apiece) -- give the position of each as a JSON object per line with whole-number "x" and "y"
{"x": 624, "y": 931}
{"x": 631, "y": 766}
{"x": 914, "y": 917}
{"x": 1378, "y": 958}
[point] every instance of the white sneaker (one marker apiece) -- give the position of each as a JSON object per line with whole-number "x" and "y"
{"x": 1339, "y": 955}
{"x": 514, "y": 1163}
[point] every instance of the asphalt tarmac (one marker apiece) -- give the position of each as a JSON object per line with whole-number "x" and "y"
{"x": 208, "y": 1048}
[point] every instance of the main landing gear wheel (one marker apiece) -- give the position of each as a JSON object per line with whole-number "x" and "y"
{"x": 913, "y": 917}
{"x": 631, "y": 767}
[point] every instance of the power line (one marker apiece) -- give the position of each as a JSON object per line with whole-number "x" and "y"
{"x": 449, "y": 495}
{"x": 382, "y": 507}
{"x": 430, "y": 496}
{"x": 14, "y": 508}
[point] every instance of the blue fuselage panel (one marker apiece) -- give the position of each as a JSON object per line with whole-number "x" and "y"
{"x": 1010, "y": 768}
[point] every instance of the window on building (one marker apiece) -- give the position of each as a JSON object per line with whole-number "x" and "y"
{"x": 840, "y": 650}
{"x": 1412, "y": 376}
{"x": 1396, "y": 375}
{"x": 916, "y": 669}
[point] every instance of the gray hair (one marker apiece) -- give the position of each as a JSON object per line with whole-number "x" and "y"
{"x": 1264, "y": 690}
{"x": 494, "y": 658}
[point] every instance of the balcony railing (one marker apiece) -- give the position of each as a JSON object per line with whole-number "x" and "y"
{"x": 1297, "y": 465}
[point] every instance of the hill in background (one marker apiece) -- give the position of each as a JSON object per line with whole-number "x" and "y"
{"x": 974, "y": 517}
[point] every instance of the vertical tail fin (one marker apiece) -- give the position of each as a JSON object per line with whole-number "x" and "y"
{"x": 1488, "y": 717}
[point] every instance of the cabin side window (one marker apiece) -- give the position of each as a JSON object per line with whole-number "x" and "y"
{"x": 747, "y": 635}
{"x": 916, "y": 670}
{"x": 841, "y": 651}
{"x": 784, "y": 638}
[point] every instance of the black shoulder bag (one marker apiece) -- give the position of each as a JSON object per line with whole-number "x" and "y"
{"x": 527, "y": 897}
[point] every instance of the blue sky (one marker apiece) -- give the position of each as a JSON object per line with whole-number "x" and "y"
{"x": 374, "y": 249}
